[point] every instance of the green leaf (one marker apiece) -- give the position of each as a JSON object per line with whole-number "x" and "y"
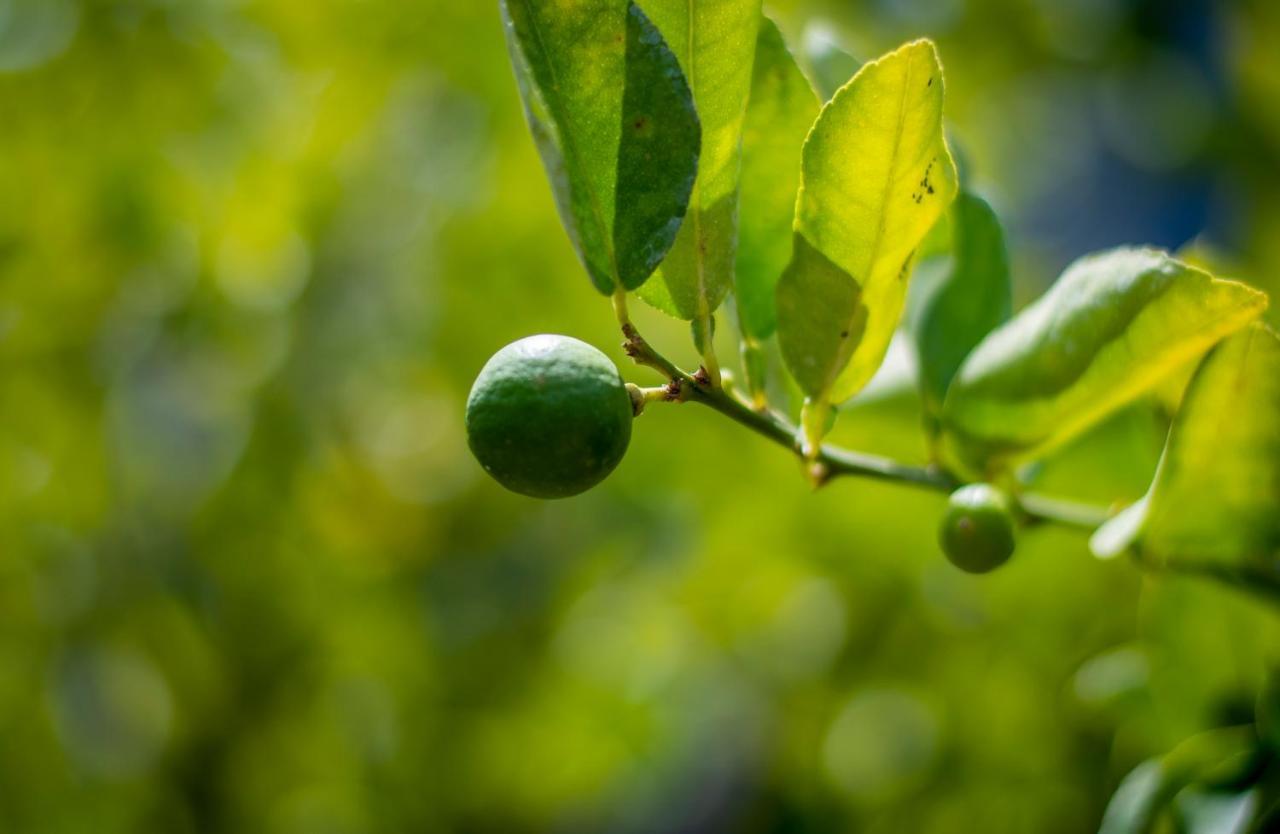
{"x": 960, "y": 297}
{"x": 1110, "y": 329}
{"x": 830, "y": 66}
{"x": 1216, "y": 496}
{"x": 1209, "y": 758}
{"x": 875, "y": 176}
{"x": 715, "y": 41}
{"x": 615, "y": 125}
{"x": 779, "y": 114}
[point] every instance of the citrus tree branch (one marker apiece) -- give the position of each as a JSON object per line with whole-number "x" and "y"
{"x": 831, "y": 461}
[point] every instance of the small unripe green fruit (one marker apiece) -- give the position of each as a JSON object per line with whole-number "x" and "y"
{"x": 976, "y": 533}
{"x": 549, "y": 417}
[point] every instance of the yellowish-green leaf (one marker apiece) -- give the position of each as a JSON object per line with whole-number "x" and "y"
{"x": 781, "y": 110}
{"x": 875, "y": 176}
{"x": 616, "y": 127}
{"x": 1216, "y": 496}
{"x": 1109, "y": 330}
{"x": 714, "y": 41}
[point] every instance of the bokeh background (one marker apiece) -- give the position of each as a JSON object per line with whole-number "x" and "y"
{"x": 252, "y": 254}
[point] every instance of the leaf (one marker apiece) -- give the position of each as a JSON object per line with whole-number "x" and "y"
{"x": 1134, "y": 805}
{"x": 960, "y": 298}
{"x": 615, "y": 125}
{"x": 1216, "y": 495}
{"x": 829, "y": 64}
{"x": 1209, "y": 758}
{"x": 1211, "y": 812}
{"x": 875, "y": 176}
{"x": 779, "y": 114}
{"x": 1110, "y": 329}
{"x": 715, "y": 42}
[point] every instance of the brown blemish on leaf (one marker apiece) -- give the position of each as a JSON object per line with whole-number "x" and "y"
{"x": 926, "y": 186}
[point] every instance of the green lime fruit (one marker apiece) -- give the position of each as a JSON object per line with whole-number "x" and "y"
{"x": 549, "y": 417}
{"x": 977, "y": 531}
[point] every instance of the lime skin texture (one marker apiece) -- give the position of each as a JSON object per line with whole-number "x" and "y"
{"x": 976, "y": 533}
{"x": 549, "y": 416}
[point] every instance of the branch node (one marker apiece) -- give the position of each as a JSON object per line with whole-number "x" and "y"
{"x": 818, "y": 473}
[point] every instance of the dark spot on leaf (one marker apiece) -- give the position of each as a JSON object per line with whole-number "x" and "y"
{"x": 641, "y": 123}
{"x": 844, "y": 334}
{"x": 930, "y": 84}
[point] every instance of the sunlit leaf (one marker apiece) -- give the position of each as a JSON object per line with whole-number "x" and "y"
{"x": 714, "y": 41}
{"x": 615, "y": 124}
{"x": 876, "y": 175}
{"x": 1216, "y": 495}
{"x": 961, "y": 297}
{"x": 1112, "y": 327}
{"x": 779, "y": 114}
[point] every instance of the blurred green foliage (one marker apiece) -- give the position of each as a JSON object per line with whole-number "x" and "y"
{"x": 252, "y": 254}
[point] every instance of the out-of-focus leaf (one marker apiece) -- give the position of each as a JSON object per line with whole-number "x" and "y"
{"x": 1112, "y": 326}
{"x": 876, "y": 175}
{"x": 1134, "y": 805}
{"x": 1216, "y": 495}
{"x": 779, "y": 114}
{"x": 715, "y": 42}
{"x": 830, "y": 66}
{"x": 615, "y": 124}
{"x": 1212, "y": 758}
{"x": 1203, "y": 812}
{"x": 963, "y": 297}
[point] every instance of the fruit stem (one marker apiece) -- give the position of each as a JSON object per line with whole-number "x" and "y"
{"x": 828, "y": 461}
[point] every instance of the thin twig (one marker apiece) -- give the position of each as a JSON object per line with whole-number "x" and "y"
{"x": 831, "y": 461}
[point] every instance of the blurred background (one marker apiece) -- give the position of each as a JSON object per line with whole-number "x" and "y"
{"x": 252, "y": 254}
